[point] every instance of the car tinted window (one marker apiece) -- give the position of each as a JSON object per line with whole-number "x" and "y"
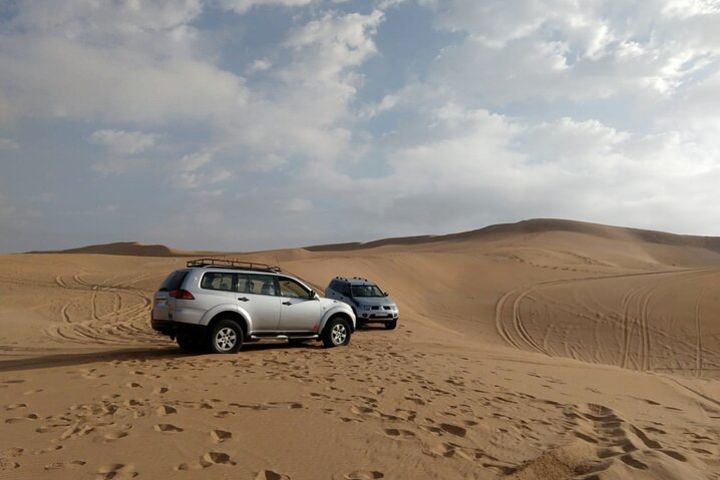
{"x": 222, "y": 281}
{"x": 260, "y": 285}
{"x": 292, "y": 289}
{"x": 173, "y": 281}
{"x": 367, "y": 291}
{"x": 243, "y": 283}
{"x": 344, "y": 288}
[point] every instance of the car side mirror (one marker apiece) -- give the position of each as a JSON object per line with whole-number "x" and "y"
{"x": 312, "y": 295}
{"x": 386, "y": 294}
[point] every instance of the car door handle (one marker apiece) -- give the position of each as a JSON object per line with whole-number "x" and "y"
{"x": 287, "y": 303}
{"x": 244, "y": 299}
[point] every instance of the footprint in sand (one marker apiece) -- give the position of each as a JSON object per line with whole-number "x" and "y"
{"x": 219, "y": 436}
{"x": 116, "y": 471}
{"x": 364, "y": 475}
{"x": 112, "y": 436}
{"x": 361, "y": 410}
{"x": 270, "y": 475}
{"x": 164, "y": 410}
{"x": 6, "y": 464}
{"x": 399, "y": 433}
{"x": 167, "y": 427}
{"x": 63, "y": 465}
{"x": 453, "y": 429}
{"x": 215, "y": 458}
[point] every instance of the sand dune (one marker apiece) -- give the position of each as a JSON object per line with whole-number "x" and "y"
{"x": 123, "y": 248}
{"x": 545, "y": 349}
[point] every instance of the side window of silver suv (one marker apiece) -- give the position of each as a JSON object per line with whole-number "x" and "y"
{"x": 225, "y": 282}
{"x": 292, "y": 289}
{"x": 258, "y": 285}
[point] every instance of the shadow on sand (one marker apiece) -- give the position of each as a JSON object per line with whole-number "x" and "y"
{"x": 128, "y": 353}
{"x": 27, "y": 362}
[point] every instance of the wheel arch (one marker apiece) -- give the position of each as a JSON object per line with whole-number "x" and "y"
{"x": 341, "y": 314}
{"x": 230, "y": 315}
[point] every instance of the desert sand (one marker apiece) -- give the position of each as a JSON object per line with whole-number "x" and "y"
{"x": 541, "y": 350}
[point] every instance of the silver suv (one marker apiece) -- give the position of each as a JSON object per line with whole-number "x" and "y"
{"x": 219, "y": 304}
{"x": 369, "y": 303}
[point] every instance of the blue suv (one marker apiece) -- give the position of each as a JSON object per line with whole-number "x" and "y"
{"x": 369, "y": 303}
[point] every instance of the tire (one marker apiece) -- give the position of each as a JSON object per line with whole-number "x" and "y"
{"x": 391, "y": 325}
{"x": 226, "y": 336}
{"x": 188, "y": 344}
{"x": 336, "y": 333}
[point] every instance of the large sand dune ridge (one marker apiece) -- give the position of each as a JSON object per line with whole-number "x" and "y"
{"x": 544, "y": 349}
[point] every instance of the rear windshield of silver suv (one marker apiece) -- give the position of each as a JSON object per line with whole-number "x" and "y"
{"x": 173, "y": 281}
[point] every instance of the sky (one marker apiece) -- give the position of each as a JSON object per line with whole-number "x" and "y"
{"x": 258, "y": 124}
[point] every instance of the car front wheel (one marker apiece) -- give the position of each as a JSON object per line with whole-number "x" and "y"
{"x": 391, "y": 325}
{"x": 226, "y": 336}
{"x": 336, "y": 333}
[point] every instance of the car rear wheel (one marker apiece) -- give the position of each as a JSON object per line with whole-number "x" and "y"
{"x": 391, "y": 325}
{"x": 336, "y": 333}
{"x": 226, "y": 336}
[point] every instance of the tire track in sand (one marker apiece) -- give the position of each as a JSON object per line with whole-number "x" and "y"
{"x": 512, "y": 329}
{"x": 698, "y": 333}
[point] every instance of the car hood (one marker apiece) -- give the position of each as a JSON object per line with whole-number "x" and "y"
{"x": 374, "y": 301}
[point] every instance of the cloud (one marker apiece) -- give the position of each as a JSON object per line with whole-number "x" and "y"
{"x": 331, "y": 128}
{"x": 259, "y": 65}
{"x": 120, "y": 142}
{"x": 242, "y": 6}
{"x": 304, "y": 111}
{"x": 560, "y": 49}
{"x": 131, "y": 62}
{"x": 119, "y": 165}
{"x": 191, "y": 171}
{"x": 8, "y": 143}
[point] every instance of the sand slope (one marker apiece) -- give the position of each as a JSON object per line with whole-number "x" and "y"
{"x": 547, "y": 349}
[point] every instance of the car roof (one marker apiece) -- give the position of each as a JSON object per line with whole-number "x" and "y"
{"x": 237, "y": 270}
{"x": 355, "y": 281}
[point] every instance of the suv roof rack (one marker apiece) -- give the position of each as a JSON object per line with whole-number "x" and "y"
{"x": 232, "y": 264}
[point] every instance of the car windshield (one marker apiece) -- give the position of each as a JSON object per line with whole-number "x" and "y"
{"x": 366, "y": 291}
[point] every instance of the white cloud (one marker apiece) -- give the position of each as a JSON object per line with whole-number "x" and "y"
{"x": 305, "y": 111}
{"x": 561, "y": 49}
{"x": 8, "y": 143}
{"x": 120, "y": 142}
{"x": 193, "y": 179}
{"x": 241, "y": 6}
{"x": 191, "y": 171}
{"x": 599, "y": 110}
{"x": 119, "y": 165}
{"x": 297, "y": 205}
{"x": 259, "y": 65}
{"x": 53, "y": 77}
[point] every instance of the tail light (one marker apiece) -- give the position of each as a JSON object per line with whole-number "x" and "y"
{"x": 181, "y": 295}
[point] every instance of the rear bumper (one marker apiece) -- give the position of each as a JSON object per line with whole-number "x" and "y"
{"x": 173, "y": 329}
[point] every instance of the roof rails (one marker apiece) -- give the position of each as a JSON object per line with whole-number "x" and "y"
{"x": 353, "y": 278}
{"x": 232, "y": 264}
